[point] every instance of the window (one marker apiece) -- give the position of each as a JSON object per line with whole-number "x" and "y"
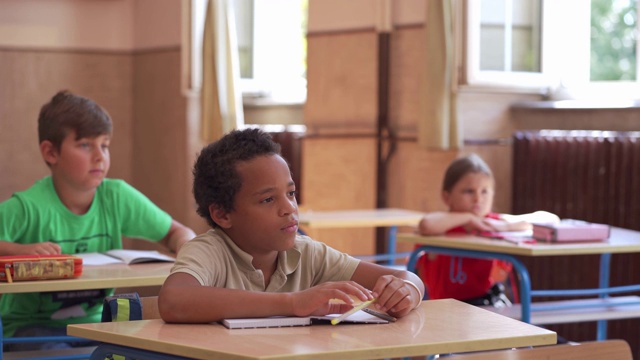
{"x": 272, "y": 49}
{"x": 588, "y": 49}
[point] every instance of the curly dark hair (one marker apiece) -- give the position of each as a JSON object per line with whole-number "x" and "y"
{"x": 215, "y": 178}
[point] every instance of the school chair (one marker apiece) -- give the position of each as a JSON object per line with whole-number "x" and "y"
{"x": 129, "y": 307}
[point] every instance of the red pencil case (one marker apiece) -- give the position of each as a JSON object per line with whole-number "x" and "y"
{"x": 39, "y": 267}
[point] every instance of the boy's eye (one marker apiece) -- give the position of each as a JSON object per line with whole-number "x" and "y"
{"x": 293, "y": 193}
{"x": 267, "y": 200}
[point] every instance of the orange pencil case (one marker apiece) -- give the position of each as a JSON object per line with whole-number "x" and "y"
{"x": 39, "y": 267}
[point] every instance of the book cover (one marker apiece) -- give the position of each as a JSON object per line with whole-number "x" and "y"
{"x": 570, "y": 230}
{"x": 359, "y": 317}
{"x": 274, "y": 321}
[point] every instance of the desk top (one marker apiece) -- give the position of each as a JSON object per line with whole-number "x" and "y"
{"x": 98, "y": 277}
{"x": 620, "y": 241}
{"x": 438, "y": 326}
{"x": 360, "y": 218}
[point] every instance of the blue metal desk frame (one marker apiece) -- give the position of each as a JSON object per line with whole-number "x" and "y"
{"x": 525, "y": 291}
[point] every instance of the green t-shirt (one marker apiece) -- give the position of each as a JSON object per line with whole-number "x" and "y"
{"x": 37, "y": 215}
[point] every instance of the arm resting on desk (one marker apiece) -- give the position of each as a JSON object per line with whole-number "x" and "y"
{"x": 398, "y": 291}
{"x": 43, "y": 248}
{"x": 439, "y": 222}
{"x": 177, "y": 235}
{"x": 183, "y": 300}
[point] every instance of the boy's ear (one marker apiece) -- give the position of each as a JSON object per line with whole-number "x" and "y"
{"x": 48, "y": 152}
{"x": 220, "y": 216}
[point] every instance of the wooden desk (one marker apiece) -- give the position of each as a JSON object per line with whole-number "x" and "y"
{"x": 438, "y": 326}
{"x": 620, "y": 241}
{"x": 97, "y": 277}
{"x": 391, "y": 218}
{"x": 93, "y": 277}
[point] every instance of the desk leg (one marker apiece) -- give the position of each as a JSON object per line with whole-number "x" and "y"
{"x": 605, "y": 265}
{"x": 521, "y": 270}
{"x": 391, "y": 244}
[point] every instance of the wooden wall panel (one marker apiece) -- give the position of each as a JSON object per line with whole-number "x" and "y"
{"x": 339, "y": 151}
{"x": 162, "y": 160}
{"x": 342, "y": 82}
{"x": 338, "y": 175}
{"x": 406, "y": 72}
{"x": 29, "y": 78}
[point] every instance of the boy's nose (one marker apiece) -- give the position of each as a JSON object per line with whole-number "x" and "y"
{"x": 289, "y": 207}
{"x": 98, "y": 154}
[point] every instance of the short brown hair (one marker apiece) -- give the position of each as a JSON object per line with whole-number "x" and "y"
{"x": 463, "y": 166}
{"x": 66, "y": 112}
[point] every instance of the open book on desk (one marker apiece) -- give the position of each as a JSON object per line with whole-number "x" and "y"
{"x": 119, "y": 256}
{"x": 515, "y": 237}
{"x": 359, "y": 317}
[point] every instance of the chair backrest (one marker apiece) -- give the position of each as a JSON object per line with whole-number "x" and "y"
{"x": 150, "y": 307}
{"x": 593, "y": 350}
{"x": 130, "y": 306}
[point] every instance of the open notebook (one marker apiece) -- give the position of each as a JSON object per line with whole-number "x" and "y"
{"x": 119, "y": 256}
{"x": 359, "y": 317}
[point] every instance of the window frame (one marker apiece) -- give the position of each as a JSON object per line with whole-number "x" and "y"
{"x": 564, "y": 74}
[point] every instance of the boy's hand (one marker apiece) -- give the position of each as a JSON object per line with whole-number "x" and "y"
{"x": 395, "y": 296}
{"x": 45, "y": 248}
{"x": 317, "y": 300}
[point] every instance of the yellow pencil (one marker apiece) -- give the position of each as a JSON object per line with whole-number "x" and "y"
{"x": 336, "y": 321}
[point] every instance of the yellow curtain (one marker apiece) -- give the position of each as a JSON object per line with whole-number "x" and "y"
{"x": 221, "y": 97}
{"x": 439, "y": 129}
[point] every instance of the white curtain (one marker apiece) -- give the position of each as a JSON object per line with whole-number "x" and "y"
{"x": 439, "y": 129}
{"x": 221, "y": 95}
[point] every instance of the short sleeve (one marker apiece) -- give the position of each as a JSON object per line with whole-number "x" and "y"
{"x": 139, "y": 216}
{"x": 14, "y": 219}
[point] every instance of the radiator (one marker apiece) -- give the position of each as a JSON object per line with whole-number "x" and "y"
{"x": 586, "y": 175}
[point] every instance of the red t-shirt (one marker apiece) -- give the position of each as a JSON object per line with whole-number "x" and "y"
{"x": 457, "y": 277}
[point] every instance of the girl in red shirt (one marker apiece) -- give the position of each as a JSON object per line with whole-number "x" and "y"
{"x": 468, "y": 190}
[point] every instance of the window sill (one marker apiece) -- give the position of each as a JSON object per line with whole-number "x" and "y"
{"x": 262, "y": 102}
{"x": 577, "y": 105}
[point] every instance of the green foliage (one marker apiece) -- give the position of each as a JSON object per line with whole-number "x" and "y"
{"x": 613, "y": 40}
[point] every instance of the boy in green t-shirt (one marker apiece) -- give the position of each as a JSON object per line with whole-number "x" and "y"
{"x": 75, "y": 210}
